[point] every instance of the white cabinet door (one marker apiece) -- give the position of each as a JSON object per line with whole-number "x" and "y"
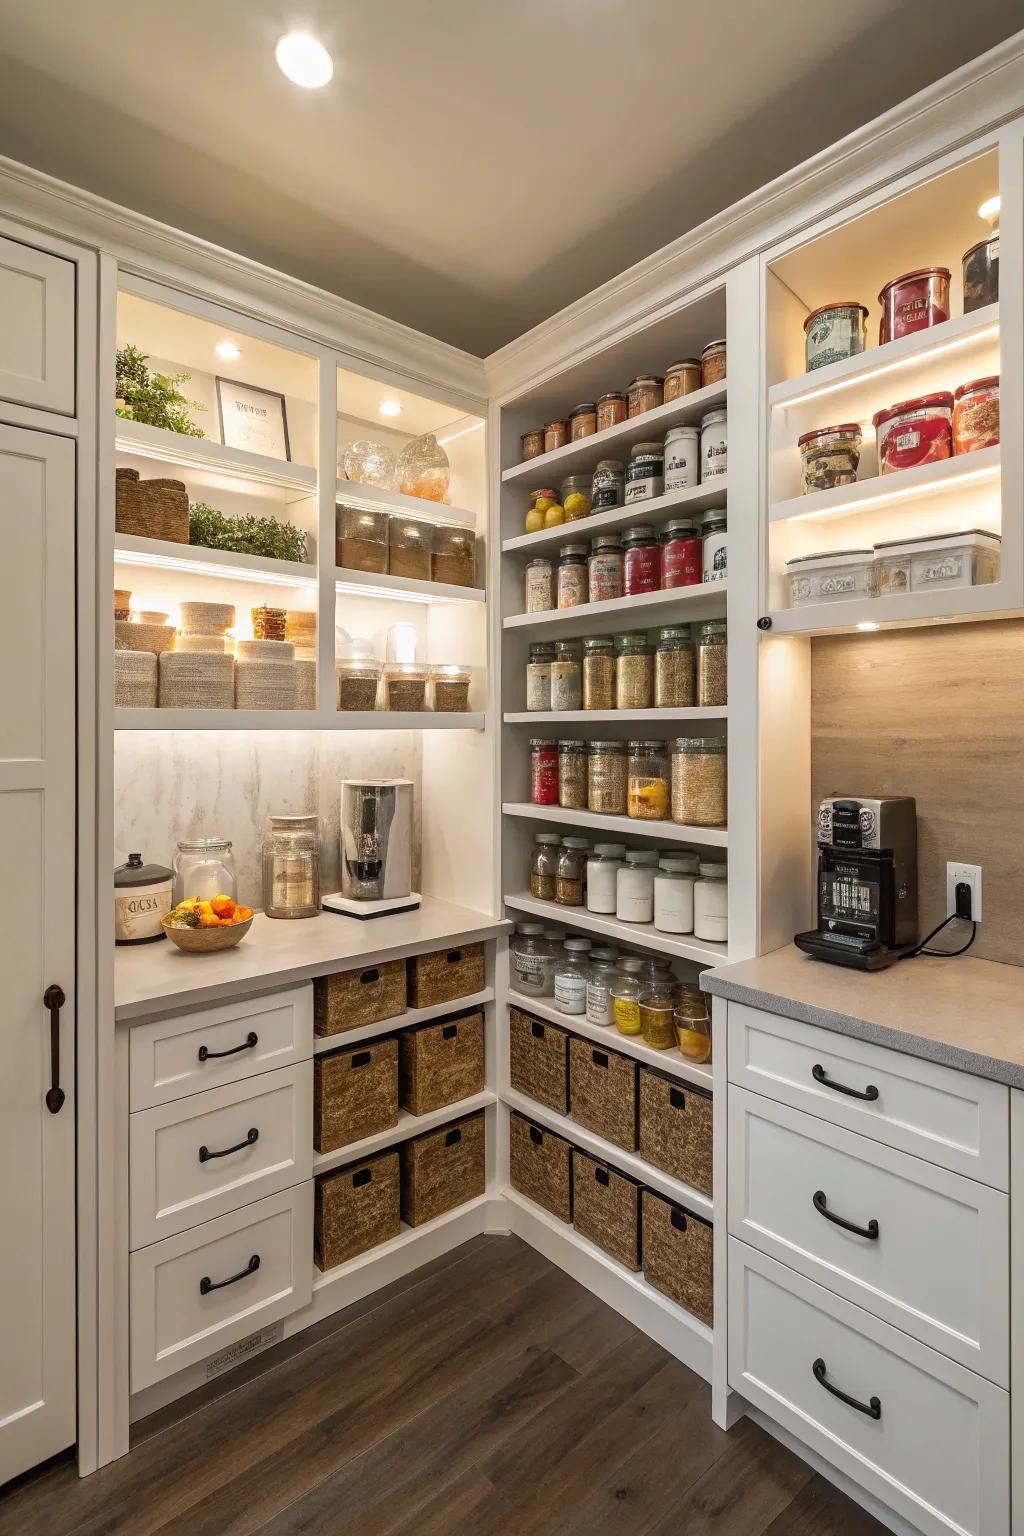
{"x": 37, "y": 328}
{"x": 37, "y": 944}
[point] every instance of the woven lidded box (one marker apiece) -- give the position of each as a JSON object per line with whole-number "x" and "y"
{"x": 355, "y": 1093}
{"x": 677, "y": 1250}
{"x": 540, "y": 1165}
{"x": 265, "y": 684}
{"x": 445, "y": 974}
{"x": 602, "y": 1092}
{"x": 675, "y": 1128}
{"x": 355, "y": 1208}
{"x": 441, "y": 1062}
{"x": 135, "y": 679}
{"x": 538, "y": 1060}
{"x": 350, "y": 999}
{"x": 195, "y": 681}
{"x": 443, "y": 1169}
{"x": 606, "y": 1208}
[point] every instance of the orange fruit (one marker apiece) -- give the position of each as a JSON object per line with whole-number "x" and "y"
{"x": 208, "y": 920}
{"x": 242, "y": 914}
{"x": 223, "y": 906}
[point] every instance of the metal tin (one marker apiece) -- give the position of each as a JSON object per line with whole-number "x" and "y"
{"x": 835, "y": 331}
{"x": 914, "y": 432}
{"x": 142, "y": 898}
{"x": 682, "y": 458}
{"x": 981, "y": 274}
{"x": 913, "y": 302}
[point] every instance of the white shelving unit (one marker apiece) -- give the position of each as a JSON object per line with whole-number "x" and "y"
{"x": 623, "y": 826}
{"x": 657, "y": 509}
{"x": 294, "y": 719}
{"x": 638, "y": 935}
{"x": 375, "y": 498}
{"x": 683, "y": 605}
{"x": 668, "y": 1062}
{"x": 208, "y": 463}
{"x": 408, "y": 1125}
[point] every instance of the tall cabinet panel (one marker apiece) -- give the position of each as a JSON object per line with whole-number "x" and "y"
{"x": 37, "y": 319}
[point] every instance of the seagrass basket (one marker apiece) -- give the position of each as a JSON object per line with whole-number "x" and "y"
{"x": 126, "y": 498}
{"x": 355, "y": 1208}
{"x": 135, "y": 679}
{"x": 265, "y": 684}
{"x": 677, "y": 1255}
{"x": 194, "y": 681}
{"x": 602, "y": 1092}
{"x": 155, "y": 638}
{"x": 355, "y": 1093}
{"x": 206, "y": 618}
{"x": 606, "y": 1208}
{"x": 442, "y": 1170}
{"x": 350, "y": 999}
{"x": 445, "y": 974}
{"x": 305, "y": 683}
{"x": 539, "y": 1060}
{"x": 540, "y": 1166}
{"x": 675, "y": 1128}
{"x": 441, "y": 1062}
{"x": 152, "y": 509}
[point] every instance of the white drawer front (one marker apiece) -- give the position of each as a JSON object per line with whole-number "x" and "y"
{"x": 199, "y": 1157}
{"x": 948, "y": 1117}
{"x": 176, "y": 1320}
{"x": 939, "y": 1264}
{"x": 190, "y": 1052}
{"x": 938, "y": 1453}
{"x": 37, "y": 328}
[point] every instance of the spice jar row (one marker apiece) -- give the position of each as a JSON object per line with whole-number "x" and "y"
{"x": 684, "y": 553}
{"x": 384, "y": 544}
{"x": 634, "y": 885}
{"x": 929, "y": 564}
{"x": 645, "y": 393}
{"x": 643, "y": 780}
{"x": 685, "y": 458}
{"x": 678, "y": 667}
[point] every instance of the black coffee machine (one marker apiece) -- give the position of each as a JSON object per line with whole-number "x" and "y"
{"x": 867, "y": 882}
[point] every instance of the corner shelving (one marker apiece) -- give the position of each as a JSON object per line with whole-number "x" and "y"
{"x": 643, "y": 935}
{"x": 669, "y": 1062}
{"x": 694, "y": 498}
{"x": 624, "y": 826}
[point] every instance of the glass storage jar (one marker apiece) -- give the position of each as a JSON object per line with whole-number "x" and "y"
{"x": 423, "y": 469}
{"x": 612, "y": 408}
{"x": 657, "y": 1017}
{"x": 674, "y": 668}
{"x": 410, "y": 548}
{"x": 538, "y": 676}
{"x": 531, "y": 443}
{"x": 699, "y": 781}
{"x": 646, "y": 393}
{"x": 645, "y": 472}
{"x": 693, "y": 1025}
{"x": 554, "y": 938}
{"x": 572, "y": 775}
{"x": 598, "y": 672}
{"x": 567, "y": 676}
{"x": 976, "y": 415}
{"x": 291, "y": 867}
{"x": 204, "y": 867}
{"x": 712, "y": 363}
{"x": 571, "y": 976}
{"x": 682, "y": 379}
{"x": 362, "y": 540}
{"x": 572, "y": 575}
{"x": 572, "y": 866}
{"x": 634, "y": 670}
{"x": 625, "y": 988}
{"x": 405, "y": 685}
{"x": 682, "y": 554}
{"x": 712, "y": 664}
{"x": 714, "y": 446}
{"x": 606, "y": 777}
{"x": 608, "y": 487}
{"x": 449, "y": 688}
{"x": 715, "y": 532}
{"x": 634, "y": 886}
{"x": 358, "y": 677}
{"x": 711, "y": 903}
{"x": 544, "y": 865}
{"x": 641, "y": 560}
{"x": 648, "y": 781}
{"x": 454, "y": 558}
{"x": 673, "y": 892}
{"x": 603, "y": 867}
{"x": 582, "y": 421}
{"x": 543, "y": 772}
{"x": 599, "y": 979}
{"x": 531, "y": 961}
{"x": 604, "y": 568}
{"x": 556, "y": 435}
{"x": 576, "y": 497}
{"x": 539, "y": 585}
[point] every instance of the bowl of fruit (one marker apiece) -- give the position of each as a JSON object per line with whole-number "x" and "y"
{"x": 203, "y": 927}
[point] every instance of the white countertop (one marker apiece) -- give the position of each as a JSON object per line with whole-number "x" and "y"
{"x": 151, "y": 979}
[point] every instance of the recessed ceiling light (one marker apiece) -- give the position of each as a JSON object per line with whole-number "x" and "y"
{"x": 305, "y": 61}
{"x": 867, "y": 625}
{"x": 227, "y": 349}
{"x": 390, "y": 408}
{"x": 989, "y": 211}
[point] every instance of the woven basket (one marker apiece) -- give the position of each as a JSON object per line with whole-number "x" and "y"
{"x": 305, "y": 683}
{"x": 442, "y": 1169}
{"x": 189, "y": 681}
{"x": 678, "y": 1255}
{"x": 265, "y": 684}
{"x": 355, "y": 1094}
{"x": 540, "y": 1166}
{"x": 602, "y": 1092}
{"x": 155, "y": 638}
{"x": 675, "y": 1128}
{"x": 206, "y": 618}
{"x": 355, "y": 1208}
{"x": 135, "y": 679}
{"x": 539, "y": 1060}
{"x": 445, "y": 974}
{"x": 150, "y": 616}
{"x": 153, "y": 509}
{"x": 606, "y": 1208}
{"x": 264, "y": 650}
{"x": 205, "y": 645}
{"x": 126, "y": 500}
{"x": 350, "y": 999}
{"x": 441, "y": 1063}
{"x": 122, "y": 603}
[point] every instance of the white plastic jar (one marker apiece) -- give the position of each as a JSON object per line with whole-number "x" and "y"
{"x": 603, "y": 867}
{"x": 714, "y": 446}
{"x": 571, "y": 977}
{"x": 711, "y": 903}
{"x": 634, "y": 886}
{"x": 682, "y": 458}
{"x": 673, "y": 893}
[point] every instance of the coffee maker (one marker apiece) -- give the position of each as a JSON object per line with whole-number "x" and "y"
{"x": 375, "y": 849}
{"x": 867, "y": 882}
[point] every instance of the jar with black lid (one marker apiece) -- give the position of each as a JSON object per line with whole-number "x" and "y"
{"x": 645, "y": 475}
{"x": 608, "y": 486}
{"x": 611, "y": 409}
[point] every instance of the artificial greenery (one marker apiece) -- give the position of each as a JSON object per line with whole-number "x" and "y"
{"x": 249, "y": 535}
{"x": 152, "y": 398}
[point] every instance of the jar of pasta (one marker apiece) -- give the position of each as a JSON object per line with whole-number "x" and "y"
{"x": 647, "y": 796}
{"x": 598, "y": 672}
{"x": 572, "y": 575}
{"x": 634, "y": 671}
{"x": 572, "y": 863}
{"x": 538, "y": 676}
{"x": 604, "y": 568}
{"x": 606, "y": 777}
{"x": 572, "y": 775}
{"x": 712, "y": 657}
{"x": 646, "y": 393}
{"x": 567, "y": 676}
{"x": 699, "y": 781}
{"x": 611, "y": 409}
{"x": 674, "y": 668}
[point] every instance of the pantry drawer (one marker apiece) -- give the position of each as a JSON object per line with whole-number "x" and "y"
{"x": 922, "y": 1434}
{"x": 190, "y": 1052}
{"x": 203, "y": 1156}
{"x": 951, "y": 1118}
{"x": 195, "y": 1293}
{"x": 931, "y": 1249}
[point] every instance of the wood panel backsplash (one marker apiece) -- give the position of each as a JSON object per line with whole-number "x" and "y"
{"x": 937, "y": 713}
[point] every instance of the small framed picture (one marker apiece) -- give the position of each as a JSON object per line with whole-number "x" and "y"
{"x": 253, "y": 419}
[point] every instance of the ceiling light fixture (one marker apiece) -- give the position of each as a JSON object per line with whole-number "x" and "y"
{"x": 390, "y": 408}
{"x": 989, "y": 211}
{"x": 867, "y": 626}
{"x": 227, "y": 350}
{"x": 305, "y": 61}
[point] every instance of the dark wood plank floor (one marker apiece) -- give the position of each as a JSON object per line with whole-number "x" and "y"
{"x": 486, "y": 1395}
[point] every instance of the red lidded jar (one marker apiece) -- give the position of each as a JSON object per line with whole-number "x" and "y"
{"x": 914, "y": 432}
{"x": 544, "y": 772}
{"x": 641, "y": 563}
{"x": 682, "y": 555}
{"x": 913, "y": 302}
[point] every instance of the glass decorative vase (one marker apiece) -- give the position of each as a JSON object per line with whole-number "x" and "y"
{"x": 370, "y": 463}
{"x": 423, "y": 469}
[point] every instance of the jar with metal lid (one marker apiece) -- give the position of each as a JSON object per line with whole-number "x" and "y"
{"x": 682, "y": 554}
{"x": 606, "y": 777}
{"x": 976, "y": 415}
{"x": 539, "y": 582}
{"x": 604, "y": 568}
{"x": 981, "y": 273}
{"x": 599, "y": 978}
{"x": 645, "y": 472}
{"x": 829, "y": 456}
{"x": 603, "y": 867}
{"x": 646, "y": 393}
{"x": 204, "y": 867}
{"x": 715, "y": 533}
{"x": 624, "y": 989}
{"x": 608, "y": 486}
{"x": 657, "y": 1017}
{"x": 634, "y": 887}
{"x": 682, "y": 379}
{"x": 611, "y": 409}
{"x": 711, "y": 903}
{"x": 682, "y": 458}
{"x": 556, "y": 435}
{"x": 693, "y": 1025}
{"x": 291, "y": 867}
{"x": 714, "y": 446}
{"x": 554, "y": 938}
{"x": 572, "y": 866}
{"x": 582, "y": 421}
{"x": 598, "y": 672}
{"x": 634, "y": 670}
{"x": 648, "y": 781}
{"x": 913, "y": 302}
{"x": 699, "y": 781}
{"x": 712, "y": 664}
{"x": 538, "y": 676}
{"x": 531, "y": 962}
{"x": 712, "y": 363}
{"x": 572, "y": 575}
{"x": 834, "y": 332}
{"x": 674, "y": 668}
{"x": 641, "y": 560}
{"x": 572, "y": 775}
{"x": 571, "y": 972}
{"x": 576, "y": 497}
{"x": 914, "y": 432}
{"x": 142, "y": 899}
{"x": 544, "y": 865}
{"x": 531, "y": 443}
{"x": 543, "y": 772}
{"x": 567, "y": 676}
{"x": 673, "y": 892}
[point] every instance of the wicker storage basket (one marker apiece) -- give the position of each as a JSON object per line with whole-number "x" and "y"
{"x": 122, "y": 603}
{"x": 350, "y": 999}
{"x": 442, "y": 1169}
{"x": 265, "y": 684}
{"x": 135, "y": 679}
{"x": 264, "y": 650}
{"x": 206, "y": 618}
{"x": 355, "y": 1208}
{"x": 355, "y": 1093}
{"x": 539, "y": 1060}
{"x": 208, "y": 645}
{"x": 153, "y": 509}
{"x": 190, "y": 681}
{"x": 155, "y": 638}
{"x": 540, "y": 1166}
{"x": 441, "y": 1063}
{"x": 606, "y": 1208}
{"x": 602, "y": 1092}
{"x": 126, "y": 500}
{"x": 675, "y": 1128}
{"x": 445, "y": 974}
{"x": 305, "y": 683}
{"x": 677, "y": 1250}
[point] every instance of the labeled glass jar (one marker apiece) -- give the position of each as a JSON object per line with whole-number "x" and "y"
{"x": 682, "y": 379}
{"x": 834, "y": 332}
{"x": 693, "y": 1025}
{"x": 567, "y": 676}
{"x": 598, "y": 672}
{"x": 682, "y": 554}
{"x": 543, "y": 772}
{"x": 715, "y": 534}
{"x": 641, "y": 560}
{"x": 604, "y": 568}
{"x": 608, "y": 487}
{"x": 571, "y": 972}
{"x": 647, "y": 797}
{"x": 634, "y": 670}
{"x": 538, "y": 676}
{"x": 572, "y": 775}
{"x": 711, "y": 903}
{"x": 544, "y": 865}
{"x": 599, "y": 978}
{"x": 454, "y": 558}
{"x": 712, "y": 363}
{"x": 645, "y": 472}
{"x": 673, "y": 892}
{"x": 634, "y": 886}
{"x": 291, "y": 867}
{"x": 699, "y": 781}
{"x": 362, "y": 540}
{"x": 410, "y": 547}
{"x": 682, "y": 458}
{"x": 714, "y": 446}
{"x": 576, "y": 497}
{"x": 603, "y": 867}
{"x": 712, "y": 664}
{"x": 914, "y": 432}
{"x": 531, "y": 961}
{"x": 646, "y": 393}
{"x": 657, "y": 1017}
{"x": 913, "y": 302}
{"x": 674, "y": 668}
{"x": 556, "y": 435}
{"x": 624, "y": 989}
{"x": 606, "y": 777}
{"x": 572, "y": 575}
{"x": 582, "y": 421}
{"x": 204, "y": 867}
{"x": 572, "y": 867}
{"x": 976, "y": 415}
{"x": 531, "y": 443}
{"x": 829, "y": 456}
{"x": 539, "y": 585}
{"x": 612, "y": 408}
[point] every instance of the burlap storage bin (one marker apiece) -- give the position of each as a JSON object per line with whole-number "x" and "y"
{"x": 126, "y": 500}
{"x": 440, "y": 1063}
{"x": 539, "y": 1060}
{"x": 355, "y": 1208}
{"x": 677, "y": 1251}
{"x": 153, "y": 509}
{"x": 193, "y": 681}
{"x": 350, "y": 999}
{"x": 442, "y": 1169}
{"x": 135, "y": 679}
{"x": 540, "y": 1166}
{"x": 155, "y": 638}
{"x": 602, "y": 1092}
{"x": 355, "y": 1093}
{"x": 445, "y": 974}
{"x": 265, "y": 684}
{"x": 675, "y": 1128}
{"x": 305, "y": 683}
{"x": 606, "y": 1208}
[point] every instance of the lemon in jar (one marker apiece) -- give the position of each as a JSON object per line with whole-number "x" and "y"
{"x": 577, "y": 505}
{"x": 554, "y": 515}
{"x": 541, "y": 503}
{"x": 534, "y": 520}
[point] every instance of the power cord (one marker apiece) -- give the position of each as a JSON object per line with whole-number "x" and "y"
{"x": 962, "y": 896}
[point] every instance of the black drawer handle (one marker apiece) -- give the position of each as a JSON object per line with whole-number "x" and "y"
{"x": 820, "y": 1205}
{"x": 870, "y": 1093}
{"x": 206, "y": 1285}
{"x": 367, "y": 978}
{"x": 449, "y": 1032}
{"x": 250, "y": 1042}
{"x": 252, "y": 1136}
{"x": 54, "y": 1000}
{"x": 873, "y": 1409}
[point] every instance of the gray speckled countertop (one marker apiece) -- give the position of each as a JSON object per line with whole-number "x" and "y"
{"x": 961, "y": 1013}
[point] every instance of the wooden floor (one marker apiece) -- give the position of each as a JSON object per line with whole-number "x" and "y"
{"x": 489, "y": 1394}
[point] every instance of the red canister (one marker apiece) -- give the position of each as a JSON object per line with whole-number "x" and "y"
{"x": 682, "y": 555}
{"x": 913, "y": 302}
{"x": 914, "y": 432}
{"x": 976, "y": 415}
{"x": 641, "y": 561}
{"x": 544, "y": 772}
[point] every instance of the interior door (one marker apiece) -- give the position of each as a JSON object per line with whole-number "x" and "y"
{"x": 37, "y": 946}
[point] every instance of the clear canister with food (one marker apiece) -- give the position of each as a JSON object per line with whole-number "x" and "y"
{"x": 410, "y": 548}
{"x": 571, "y": 971}
{"x": 454, "y": 558}
{"x": 543, "y": 772}
{"x": 567, "y": 676}
{"x": 606, "y": 777}
{"x": 712, "y": 363}
{"x": 646, "y": 393}
{"x": 612, "y": 408}
{"x": 572, "y": 575}
{"x": 599, "y": 979}
{"x": 674, "y": 668}
{"x": 531, "y": 961}
{"x": 682, "y": 379}
{"x": 608, "y": 486}
{"x": 362, "y": 540}
{"x": 598, "y": 672}
{"x": 604, "y": 568}
{"x": 693, "y": 1024}
{"x": 582, "y": 421}
{"x": 538, "y": 676}
{"x": 625, "y": 988}
{"x": 634, "y": 670}
{"x": 829, "y": 456}
{"x": 657, "y": 1017}
{"x": 576, "y": 500}
{"x": 291, "y": 867}
{"x": 539, "y": 585}
{"x": 544, "y": 865}
{"x": 405, "y": 685}
{"x": 449, "y": 688}
{"x": 647, "y": 796}
{"x": 572, "y": 865}
{"x": 712, "y": 664}
{"x": 572, "y": 775}
{"x": 699, "y": 781}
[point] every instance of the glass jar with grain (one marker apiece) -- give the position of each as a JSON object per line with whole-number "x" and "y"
{"x": 699, "y": 781}
{"x": 624, "y": 990}
{"x": 544, "y": 865}
{"x": 712, "y": 664}
{"x": 572, "y": 775}
{"x": 612, "y": 408}
{"x": 582, "y": 421}
{"x": 362, "y": 540}
{"x": 606, "y": 777}
{"x": 538, "y": 675}
{"x": 712, "y": 363}
{"x": 567, "y": 676}
{"x": 674, "y": 668}
{"x": 572, "y": 863}
{"x": 531, "y": 443}
{"x": 410, "y": 548}
{"x": 572, "y": 575}
{"x": 693, "y": 1024}
{"x": 405, "y": 685}
{"x": 682, "y": 379}
{"x": 647, "y": 784}
{"x": 454, "y": 557}
{"x": 556, "y": 435}
{"x": 646, "y": 393}
{"x": 358, "y": 677}
{"x": 539, "y": 585}
{"x": 598, "y": 672}
{"x": 634, "y": 670}
{"x": 449, "y": 688}
{"x": 604, "y": 568}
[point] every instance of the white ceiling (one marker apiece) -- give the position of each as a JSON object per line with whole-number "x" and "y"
{"x": 475, "y": 164}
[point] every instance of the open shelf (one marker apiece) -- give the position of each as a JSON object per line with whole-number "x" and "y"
{"x": 615, "y": 716}
{"x": 669, "y": 1062}
{"x": 642, "y": 935}
{"x": 909, "y": 608}
{"x": 407, "y": 1020}
{"x": 945, "y": 476}
{"x": 408, "y": 1239}
{"x": 694, "y": 498}
{"x": 374, "y": 498}
{"x": 403, "y": 588}
{"x": 203, "y": 459}
{"x": 292, "y": 720}
{"x": 408, "y": 1125}
{"x": 624, "y": 826}
{"x": 706, "y": 601}
{"x": 197, "y": 560}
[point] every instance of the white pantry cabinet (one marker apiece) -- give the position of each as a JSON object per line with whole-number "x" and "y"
{"x": 37, "y": 328}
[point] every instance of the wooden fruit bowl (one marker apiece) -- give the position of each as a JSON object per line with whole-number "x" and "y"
{"x": 206, "y": 941}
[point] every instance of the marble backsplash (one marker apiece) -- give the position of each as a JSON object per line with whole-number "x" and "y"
{"x": 178, "y": 784}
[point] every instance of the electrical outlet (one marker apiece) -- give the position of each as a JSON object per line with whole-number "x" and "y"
{"x": 970, "y": 874}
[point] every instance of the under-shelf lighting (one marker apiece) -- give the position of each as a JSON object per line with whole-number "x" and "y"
{"x": 464, "y": 433}
{"x": 194, "y": 568}
{"x": 391, "y": 594}
{"x": 915, "y": 359}
{"x": 908, "y": 493}
{"x": 227, "y": 350}
{"x": 867, "y": 625}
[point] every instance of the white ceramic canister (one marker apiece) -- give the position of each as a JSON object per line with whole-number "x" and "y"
{"x": 714, "y": 446}
{"x": 603, "y": 868}
{"x": 142, "y": 897}
{"x": 682, "y": 458}
{"x": 673, "y": 893}
{"x": 634, "y": 886}
{"x": 711, "y": 904}
{"x": 715, "y": 532}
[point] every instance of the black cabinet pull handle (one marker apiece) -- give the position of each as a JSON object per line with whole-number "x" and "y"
{"x": 54, "y": 999}
{"x": 251, "y": 1040}
{"x": 821, "y": 1076}
{"x": 537, "y": 1030}
{"x": 367, "y": 978}
{"x": 449, "y": 1032}
{"x": 206, "y": 1285}
{"x": 253, "y": 1136}
{"x": 820, "y": 1205}
{"x": 873, "y": 1408}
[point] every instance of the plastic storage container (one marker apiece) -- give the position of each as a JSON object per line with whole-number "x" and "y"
{"x": 362, "y": 540}
{"x": 834, "y": 332}
{"x": 449, "y": 688}
{"x": 914, "y": 432}
{"x": 405, "y": 686}
{"x": 603, "y": 867}
{"x": 682, "y": 458}
{"x": 976, "y": 415}
{"x": 829, "y": 456}
{"x": 634, "y": 887}
{"x": 832, "y": 578}
{"x": 932, "y": 564}
{"x": 714, "y": 446}
{"x": 673, "y": 893}
{"x": 711, "y": 903}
